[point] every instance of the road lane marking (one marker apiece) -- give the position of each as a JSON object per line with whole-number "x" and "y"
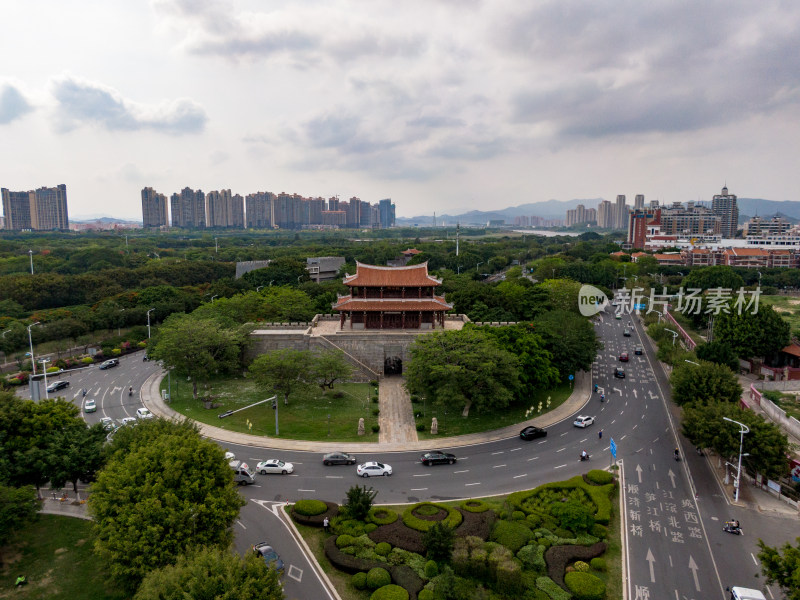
{"x": 417, "y": 489}
{"x": 333, "y": 477}
{"x": 291, "y": 573}
{"x": 493, "y": 453}
{"x": 754, "y": 559}
{"x": 498, "y": 466}
{"x": 469, "y": 484}
{"x": 242, "y": 525}
{"x": 310, "y": 491}
{"x": 423, "y": 475}
{"x": 562, "y": 449}
{"x": 559, "y": 466}
{"x": 464, "y": 471}
{"x": 534, "y": 458}
{"x": 515, "y": 449}
{"x": 518, "y": 476}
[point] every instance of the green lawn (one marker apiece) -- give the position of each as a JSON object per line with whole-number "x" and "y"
{"x": 787, "y": 306}
{"x": 55, "y": 554}
{"x": 454, "y": 424}
{"x": 309, "y": 416}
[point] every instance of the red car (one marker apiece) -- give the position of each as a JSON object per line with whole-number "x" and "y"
{"x": 624, "y": 357}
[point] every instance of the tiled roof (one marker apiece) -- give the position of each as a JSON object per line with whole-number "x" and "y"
{"x": 792, "y": 349}
{"x": 667, "y": 257}
{"x": 746, "y": 252}
{"x": 408, "y": 276}
{"x": 392, "y": 304}
{"x": 411, "y": 251}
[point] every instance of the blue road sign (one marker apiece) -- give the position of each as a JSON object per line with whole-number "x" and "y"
{"x": 613, "y": 447}
{"x": 571, "y": 377}
{"x": 640, "y": 306}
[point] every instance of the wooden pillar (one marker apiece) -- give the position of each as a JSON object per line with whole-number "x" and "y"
{"x": 381, "y": 319}
{"x": 403, "y": 320}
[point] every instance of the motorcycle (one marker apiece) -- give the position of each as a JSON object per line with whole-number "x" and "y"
{"x": 731, "y": 528}
{"x": 583, "y": 458}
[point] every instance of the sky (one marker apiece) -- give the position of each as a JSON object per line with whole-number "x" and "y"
{"x": 441, "y": 105}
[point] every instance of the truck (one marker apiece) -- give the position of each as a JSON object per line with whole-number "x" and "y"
{"x": 242, "y": 474}
{"x": 741, "y": 593}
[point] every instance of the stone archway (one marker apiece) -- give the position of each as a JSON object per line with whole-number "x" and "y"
{"x": 393, "y": 365}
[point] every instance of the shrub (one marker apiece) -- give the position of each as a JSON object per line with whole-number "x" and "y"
{"x": 383, "y": 548}
{"x": 599, "y": 531}
{"x": 426, "y": 594}
{"x": 420, "y": 426}
{"x": 563, "y": 533}
{"x": 532, "y": 557}
{"x": 87, "y": 360}
{"x": 310, "y": 508}
{"x": 427, "y": 510}
{"x": 517, "y": 515}
{"x": 511, "y": 534}
{"x": 431, "y": 569}
{"x": 414, "y": 398}
{"x": 359, "y": 501}
{"x": 585, "y": 586}
{"x": 381, "y": 516}
{"x": 390, "y": 592}
{"x": 375, "y": 399}
{"x": 373, "y": 382}
{"x": 581, "y": 566}
{"x": 376, "y": 412}
{"x": 344, "y": 540}
{"x": 552, "y": 589}
{"x": 598, "y": 564}
{"x": 370, "y": 527}
{"x": 599, "y": 477}
{"x": 509, "y": 577}
{"x": 376, "y": 428}
{"x": 474, "y": 506}
{"x": 378, "y": 577}
{"x": 359, "y": 580}
{"x": 452, "y": 520}
{"x": 542, "y": 498}
{"x": 438, "y": 542}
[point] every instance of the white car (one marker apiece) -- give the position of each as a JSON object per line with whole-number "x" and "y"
{"x": 107, "y": 423}
{"x": 128, "y": 421}
{"x": 373, "y": 469}
{"x": 273, "y": 465}
{"x": 143, "y": 413}
{"x": 583, "y": 421}
{"x": 90, "y": 406}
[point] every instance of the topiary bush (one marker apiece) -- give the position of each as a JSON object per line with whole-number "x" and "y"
{"x": 344, "y": 540}
{"x": 599, "y": 531}
{"x": 378, "y": 577}
{"x": 517, "y": 515}
{"x": 540, "y": 500}
{"x": 411, "y": 520}
{"x": 585, "y": 586}
{"x": 359, "y": 580}
{"x": 598, "y": 564}
{"x": 376, "y": 428}
{"x": 532, "y": 557}
{"x": 431, "y": 569}
{"x": 552, "y": 589}
{"x": 309, "y": 508}
{"x": 389, "y": 592}
{"x": 599, "y": 477}
{"x": 474, "y": 506}
{"x": 426, "y": 594}
{"x": 383, "y": 548}
{"x": 421, "y": 427}
{"x": 370, "y": 527}
{"x": 511, "y": 534}
{"x": 381, "y": 516}
{"x": 580, "y": 566}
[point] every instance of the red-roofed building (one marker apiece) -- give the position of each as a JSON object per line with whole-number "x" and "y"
{"x": 392, "y": 298}
{"x": 669, "y": 259}
{"x": 745, "y": 257}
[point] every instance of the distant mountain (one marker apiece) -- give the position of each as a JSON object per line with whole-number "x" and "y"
{"x": 768, "y": 208}
{"x": 106, "y": 220}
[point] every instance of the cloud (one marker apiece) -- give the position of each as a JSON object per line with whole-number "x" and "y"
{"x": 88, "y": 103}
{"x": 13, "y": 104}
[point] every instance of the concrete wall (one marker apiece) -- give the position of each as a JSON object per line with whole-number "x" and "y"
{"x": 778, "y": 416}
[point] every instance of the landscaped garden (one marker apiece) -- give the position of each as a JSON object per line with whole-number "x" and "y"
{"x": 310, "y": 414}
{"x": 549, "y": 543}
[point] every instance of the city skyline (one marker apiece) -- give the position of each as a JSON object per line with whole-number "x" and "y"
{"x": 443, "y": 106}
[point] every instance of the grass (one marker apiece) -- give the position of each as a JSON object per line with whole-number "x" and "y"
{"x": 310, "y": 415}
{"x": 55, "y": 554}
{"x": 788, "y": 307}
{"x": 454, "y": 424}
{"x": 790, "y": 403}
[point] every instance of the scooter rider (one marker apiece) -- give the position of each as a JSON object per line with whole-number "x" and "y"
{"x": 584, "y": 455}
{"x": 130, "y": 391}
{"x": 677, "y": 454}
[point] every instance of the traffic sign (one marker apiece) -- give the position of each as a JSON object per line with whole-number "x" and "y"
{"x": 613, "y": 447}
{"x": 571, "y": 377}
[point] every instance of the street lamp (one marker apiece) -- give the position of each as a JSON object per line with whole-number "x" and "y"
{"x": 30, "y": 252}
{"x": 44, "y": 362}
{"x": 660, "y": 314}
{"x": 691, "y": 361}
{"x": 259, "y": 288}
{"x": 119, "y": 324}
{"x": 148, "y": 322}
{"x": 759, "y": 278}
{"x": 212, "y": 298}
{"x": 271, "y": 282}
{"x": 674, "y": 335}
{"x": 742, "y": 430}
{"x": 30, "y": 342}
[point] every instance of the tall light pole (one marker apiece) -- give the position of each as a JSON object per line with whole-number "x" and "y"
{"x": 30, "y": 252}
{"x": 30, "y": 341}
{"x": 742, "y": 430}
{"x": 259, "y": 288}
{"x": 660, "y": 314}
{"x": 691, "y": 362}
{"x": 674, "y": 335}
{"x": 119, "y": 324}
{"x": 212, "y": 298}
{"x": 44, "y": 362}
{"x": 148, "y": 322}
{"x": 216, "y": 246}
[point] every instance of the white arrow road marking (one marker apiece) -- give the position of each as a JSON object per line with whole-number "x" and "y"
{"x": 693, "y": 567}
{"x": 671, "y": 477}
{"x": 651, "y": 559}
{"x": 639, "y": 472}
{"x": 616, "y": 389}
{"x": 635, "y": 395}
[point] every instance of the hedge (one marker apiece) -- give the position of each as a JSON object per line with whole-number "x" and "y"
{"x": 598, "y": 494}
{"x": 426, "y": 594}
{"x": 598, "y": 564}
{"x": 346, "y": 562}
{"x": 389, "y": 592}
{"x": 474, "y": 506}
{"x": 532, "y": 557}
{"x": 378, "y": 577}
{"x": 431, "y": 569}
{"x": 344, "y": 540}
{"x": 309, "y": 508}
{"x": 599, "y": 477}
{"x": 452, "y": 520}
{"x": 383, "y": 548}
{"x": 599, "y": 531}
{"x": 585, "y": 586}
{"x": 552, "y": 589}
{"x": 359, "y": 580}
{"x": 511, "y": 534}
{"x": 316, "y": 520}
{"x": 381, "y": 516}
{"x": 558, "y": 557}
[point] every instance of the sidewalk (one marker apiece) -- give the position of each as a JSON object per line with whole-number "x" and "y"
{"x": 151, "y": 397}
{"x": 68, "y": 508}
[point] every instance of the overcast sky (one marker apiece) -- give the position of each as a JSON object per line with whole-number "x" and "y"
{"x": 442, "y": 105}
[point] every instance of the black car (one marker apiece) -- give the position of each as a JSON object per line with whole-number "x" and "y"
{"x": 111, "y": 362}
{"x": 531, "y": 433}
{"x": 57, "y": 385}
{"x": 338, "y": 458}
{"x": 619, "y": 373}
{"x": 627, "y": 333}
{"x": 267, "y": 552}
{"x": 638, "y": 351}
{"x": 437, "y": 458}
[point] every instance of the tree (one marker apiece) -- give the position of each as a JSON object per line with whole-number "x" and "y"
{"x": 703, "y": 384}
{"x": 782, "y": 566}
{"x": 461, "y": 369}
{"x": 359, "y": 501}
{"x": 197, "y": 347}
{"x": 573, "y": 516}
{"x": 719, "y": 353}
{"x": 210, "y": 574}
{"x": 570, "y": 338}
{"x": 438, "y": 542}
{"x": 76, "y": 453}
{"x": 282, "y": 371}
{"x": 562, "y": 294}
{"x": 164, "y": 491}
{"x": 707, "y": 278}
{"x": 767, "y": 446}
{"x": 749, "y": 334}
{"x": 280, "y": 271}
{"x": 329, "y": 366}
{"x": 18, "y": 507}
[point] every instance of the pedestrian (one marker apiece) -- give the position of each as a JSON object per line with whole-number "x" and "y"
{"x": 326, "y": 524}
{"x": 600, "y": 434}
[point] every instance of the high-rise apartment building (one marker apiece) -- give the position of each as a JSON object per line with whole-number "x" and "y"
{"x": 724, "y": 206}
{"x": 259, "y": 210}
{"x": 387, "y": 213}
{"x": 690, "y": 220}
{"x": 638, "y": 202}
{"x": 44, "y": 209}
{"x": 620, "y": 212}
{"x": 189, "y": 209}
{"x": 237, "y": 211}
{"x": 218, "y": 208}
{"x": 154, "y": 208}
{"x": 605, "y": 215}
